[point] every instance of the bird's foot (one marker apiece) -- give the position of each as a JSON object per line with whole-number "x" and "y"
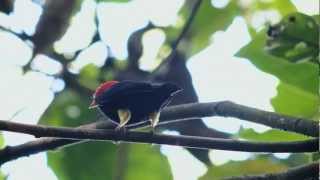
{"x": 124, "y": 117}
{"x": 154, "y": 119}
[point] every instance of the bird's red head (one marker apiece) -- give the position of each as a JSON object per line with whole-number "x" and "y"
{"x": 102, "y": 88}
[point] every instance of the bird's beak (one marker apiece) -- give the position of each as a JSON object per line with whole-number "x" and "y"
{"x": 93, "y": 104}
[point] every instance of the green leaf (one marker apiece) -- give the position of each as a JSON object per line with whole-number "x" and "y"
{"x": 289, "y": 40}
{"x": 69, "y": 108}
{"x": 146, "y": 162}
{"x": 241, "y": 168}
{"x": 272, "y": 135}
{"x": 296, "y": 102}
{"x": 303, "y": 76}
{"x": 91, "y": 160}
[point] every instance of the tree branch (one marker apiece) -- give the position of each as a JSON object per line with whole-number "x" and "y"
{"x": 170, "y": 114}
{"x": 306, "y": 172}
{"x": 10, "y": 153}
{"x": 230, "y": 109}
{"x": 180, "y": 140}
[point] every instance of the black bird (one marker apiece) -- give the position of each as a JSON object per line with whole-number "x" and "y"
{"x": 130, "y": 103}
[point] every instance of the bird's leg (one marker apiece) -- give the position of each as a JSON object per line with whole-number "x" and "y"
{"x": 124, "y": 117}
{"x": 154, "y": 119}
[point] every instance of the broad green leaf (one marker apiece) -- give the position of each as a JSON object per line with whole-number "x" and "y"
{"x": 303, "y": 75}
{"x": 91, "y": 160}
{"x": 241, "y": 168}
{"x": 296, "y": 102}
{"x": 146, "y": 162}
{"x": 288, "y": 39}
{"x": 272, "y": 135}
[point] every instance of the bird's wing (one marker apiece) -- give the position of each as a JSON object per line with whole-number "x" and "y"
{"x": 125, "y": 88}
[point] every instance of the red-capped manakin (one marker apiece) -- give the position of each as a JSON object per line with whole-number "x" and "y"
{"x": 129, "y": 103}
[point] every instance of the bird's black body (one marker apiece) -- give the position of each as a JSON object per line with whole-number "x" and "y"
{"x": 140, "y": 98}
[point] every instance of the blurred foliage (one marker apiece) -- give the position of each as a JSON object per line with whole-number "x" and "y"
{"x": 2, "y": 176}
{"x": 316, "y": 156}
{"x": 91, "y": 160}
{"x": 68, "y": 109}
{"x": 289, "y": 40}
{"x": 2, "y": 142}
{"x": 207, "y": 21}
{"x": 239, "y": 168}
{"x": 146, "y": 162}
{"x": 88, "y": 76}
{"x": 272, "y": 135}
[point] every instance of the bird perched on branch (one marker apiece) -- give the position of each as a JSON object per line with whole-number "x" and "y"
{"x": 130, "y": 103}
